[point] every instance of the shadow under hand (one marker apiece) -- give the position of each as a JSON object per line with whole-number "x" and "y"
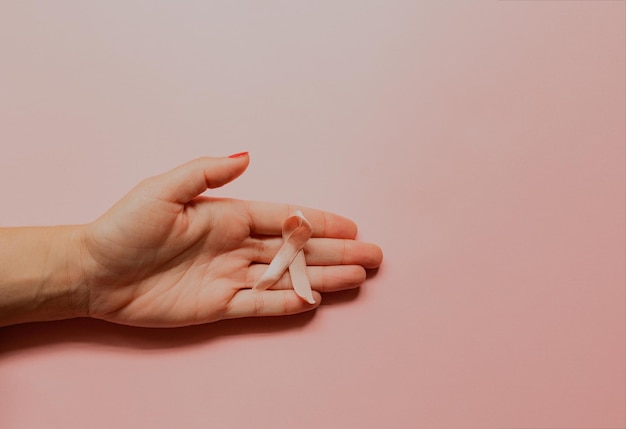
{"x": 340, "y": 297}
{"x": 97, "y": 332}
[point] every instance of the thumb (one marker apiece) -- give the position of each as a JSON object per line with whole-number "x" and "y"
{"x": 189, "y": 180}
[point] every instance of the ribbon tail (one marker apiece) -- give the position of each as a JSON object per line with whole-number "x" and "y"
{"x": 299, "y": 279}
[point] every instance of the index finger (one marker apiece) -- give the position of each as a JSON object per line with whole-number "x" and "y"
{"x": 267, "y": 219}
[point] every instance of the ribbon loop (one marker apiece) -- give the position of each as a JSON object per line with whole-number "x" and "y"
{"x": 296, "y": 232}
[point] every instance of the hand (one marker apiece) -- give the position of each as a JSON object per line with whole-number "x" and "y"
{"x": 166, "y": 256}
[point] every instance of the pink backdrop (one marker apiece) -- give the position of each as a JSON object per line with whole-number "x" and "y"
{"x": 480, "y": 143}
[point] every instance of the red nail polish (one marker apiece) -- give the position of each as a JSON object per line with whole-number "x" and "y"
{"x": 238, "y": 155}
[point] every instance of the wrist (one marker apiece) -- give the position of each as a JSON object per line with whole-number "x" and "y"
{"x": 71, "y": 278}
{"x": 41, "y": 274}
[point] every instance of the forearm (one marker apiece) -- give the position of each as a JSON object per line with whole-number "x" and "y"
{"x": 40, "y": 274}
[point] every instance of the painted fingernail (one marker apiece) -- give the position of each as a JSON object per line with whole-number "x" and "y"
{"x": 238, "y": 155}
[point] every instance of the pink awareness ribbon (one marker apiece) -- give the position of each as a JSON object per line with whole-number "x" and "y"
{"x": 296, "y": 232}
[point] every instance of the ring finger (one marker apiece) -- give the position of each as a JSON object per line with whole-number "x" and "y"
{"x": 323, "y": 279}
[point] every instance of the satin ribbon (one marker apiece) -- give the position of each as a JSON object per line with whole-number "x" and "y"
{"x": 296, "y": 232}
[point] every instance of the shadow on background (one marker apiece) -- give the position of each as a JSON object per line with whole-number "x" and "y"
{"x": 98, "y": 332}
{"x": 16, "y": 338}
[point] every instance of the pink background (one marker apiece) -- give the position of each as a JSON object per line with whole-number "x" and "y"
{"x": 480, "y": 143}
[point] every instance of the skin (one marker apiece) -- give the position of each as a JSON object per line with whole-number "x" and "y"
{"x": 167, "y": 256}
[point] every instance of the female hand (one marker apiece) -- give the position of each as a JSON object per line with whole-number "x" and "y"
{"x": 166, "y": 256}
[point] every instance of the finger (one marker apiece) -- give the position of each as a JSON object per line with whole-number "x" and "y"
{"x": 322, "y": 251}
{"x": 268, "y": 218}
{"x": 189, "y": 180}
{"x": 323, "y": 279}
{"x": 253, "y": 302}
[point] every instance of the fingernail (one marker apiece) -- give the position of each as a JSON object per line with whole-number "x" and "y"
{"x": 238, "y": 155}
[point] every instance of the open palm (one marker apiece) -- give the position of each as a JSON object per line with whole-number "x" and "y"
{"x": 166, "y": 256}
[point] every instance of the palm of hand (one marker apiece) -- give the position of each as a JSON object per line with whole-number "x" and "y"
{"x": 184, "y": 262}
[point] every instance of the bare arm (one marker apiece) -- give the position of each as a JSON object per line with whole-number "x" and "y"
{"x": 40, "y": 275}
{"x": 165, "y": 256}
